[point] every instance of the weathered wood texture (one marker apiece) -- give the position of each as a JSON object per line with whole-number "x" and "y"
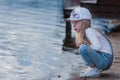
{"x": 69, "y": 3}
{"x": 104, "y": 8}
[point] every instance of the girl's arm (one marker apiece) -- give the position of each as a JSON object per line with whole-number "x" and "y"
{"x": 92, "y": 37}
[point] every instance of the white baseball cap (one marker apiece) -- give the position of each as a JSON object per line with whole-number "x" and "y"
{"x": 79, "y": 13}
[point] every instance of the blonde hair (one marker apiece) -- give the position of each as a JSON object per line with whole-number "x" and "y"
{"x": 81, "y": 37}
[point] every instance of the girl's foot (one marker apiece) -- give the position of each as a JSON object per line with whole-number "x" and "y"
{"x": 92, "y": 72}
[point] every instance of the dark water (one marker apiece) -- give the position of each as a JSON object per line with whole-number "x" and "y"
{"x": 31, "y": 39}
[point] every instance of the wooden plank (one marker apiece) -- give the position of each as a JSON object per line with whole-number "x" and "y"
{"x": 105, "y": 9}
{"x": 104, "y": 15}
{"x": 97, "y": 14}
{"x": 109, "y": 2}
{"x": 89, "y": 1}
{"x": 70, "y": 3}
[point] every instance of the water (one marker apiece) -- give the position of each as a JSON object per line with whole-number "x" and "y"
{"x": 31, "y": 39}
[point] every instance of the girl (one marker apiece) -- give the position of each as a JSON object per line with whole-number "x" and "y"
{"x": 94, "y": 46}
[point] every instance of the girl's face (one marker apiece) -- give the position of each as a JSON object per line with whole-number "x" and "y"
{"x": 77, "y": 25}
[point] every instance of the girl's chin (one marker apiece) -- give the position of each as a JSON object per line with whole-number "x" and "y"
{"x": 76, "y": 31}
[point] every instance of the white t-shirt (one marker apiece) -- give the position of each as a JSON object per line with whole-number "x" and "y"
{"x": 98, "y": 41}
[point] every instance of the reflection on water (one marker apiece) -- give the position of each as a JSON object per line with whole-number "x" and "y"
{"x": 31, "y": 34}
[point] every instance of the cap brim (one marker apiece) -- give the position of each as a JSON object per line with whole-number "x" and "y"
{"x": 67, "y": 19}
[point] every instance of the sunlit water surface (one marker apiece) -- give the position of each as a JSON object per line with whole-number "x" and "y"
{"x": 31, "y": 39}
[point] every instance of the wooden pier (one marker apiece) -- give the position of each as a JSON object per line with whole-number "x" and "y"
{"x": 99, "y": 8}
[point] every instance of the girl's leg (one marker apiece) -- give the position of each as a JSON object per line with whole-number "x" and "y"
{"x": 94, "y": 58}
{"x": 84, "y": 53}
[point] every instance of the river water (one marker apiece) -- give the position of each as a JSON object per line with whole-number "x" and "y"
{"x": 31, "y": 41}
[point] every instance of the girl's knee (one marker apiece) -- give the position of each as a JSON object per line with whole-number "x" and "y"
{"x": 103, "y": 66}
{"x": 83, "y": 49}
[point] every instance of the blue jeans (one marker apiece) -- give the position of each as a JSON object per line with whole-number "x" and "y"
{"x": 92, "y": 57}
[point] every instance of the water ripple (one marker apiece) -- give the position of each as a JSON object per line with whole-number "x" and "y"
{"x": 31, "y": 35}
